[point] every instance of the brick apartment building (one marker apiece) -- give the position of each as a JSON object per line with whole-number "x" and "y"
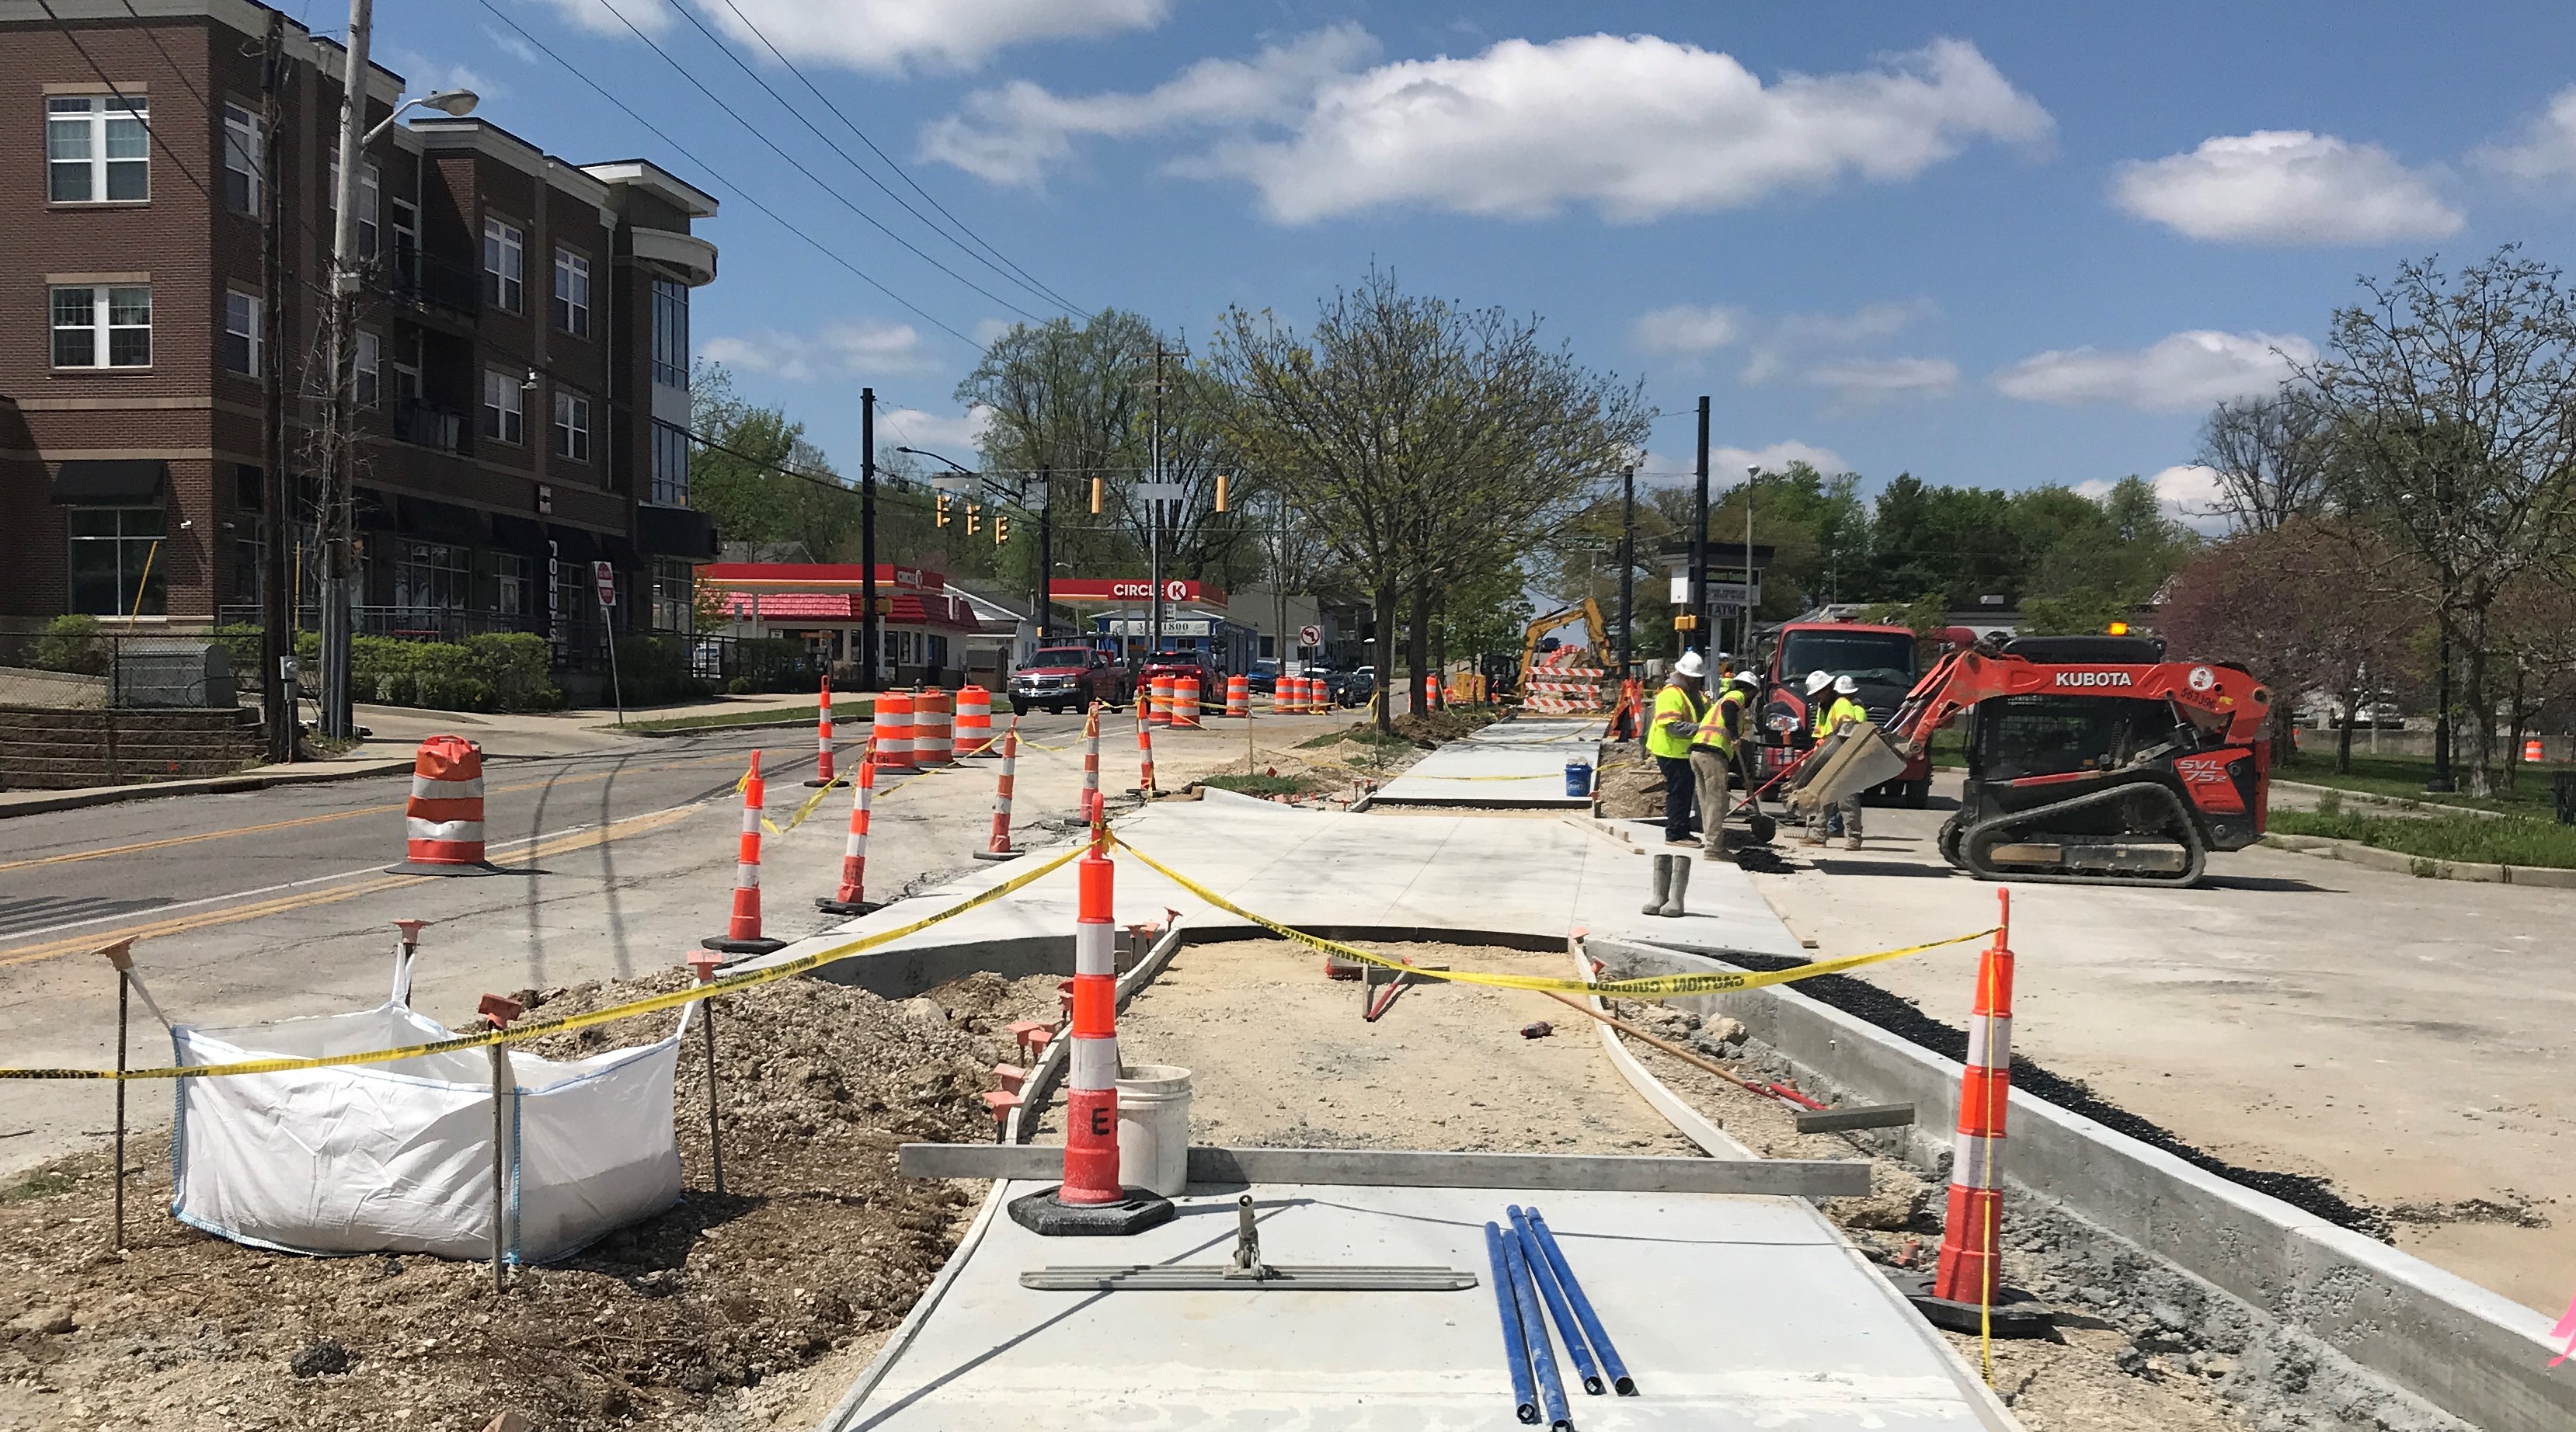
{"x": 522, "y": 355}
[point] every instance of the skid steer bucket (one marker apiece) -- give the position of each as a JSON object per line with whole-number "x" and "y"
{"x": 1852, "y": 760}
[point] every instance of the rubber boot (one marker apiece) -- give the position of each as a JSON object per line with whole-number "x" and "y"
{"x": 1851, "y": 842}
{"x": 1663, "y": 885}
{"x": 1681, "y": 886}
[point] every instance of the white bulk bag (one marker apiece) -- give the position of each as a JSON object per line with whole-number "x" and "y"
{"x": 397, "y": 1157}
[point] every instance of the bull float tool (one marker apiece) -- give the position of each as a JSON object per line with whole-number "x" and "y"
{"x": 1515, "y": 1342}
{"x": 1566, "y": 1328}
{"x": 1592, "y": 1329}
{"x": 1551, "y": 1389}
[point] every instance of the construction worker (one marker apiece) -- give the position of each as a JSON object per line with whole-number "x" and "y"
{"x": 1679, "y": 710}
{"x": 1735, "y": 705}
{"x": 1712, "y": 752}
{"x": 1845, "y": 711}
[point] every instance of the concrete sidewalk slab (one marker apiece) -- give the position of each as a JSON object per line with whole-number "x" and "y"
{"x": 1517, "y": 764}
{"x": 1826, "y": 1345}
{"x": 256, "y": 778}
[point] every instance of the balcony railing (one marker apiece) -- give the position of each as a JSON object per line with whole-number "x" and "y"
{"x": 416, "y": 280}
{"x": 431, "y": 426}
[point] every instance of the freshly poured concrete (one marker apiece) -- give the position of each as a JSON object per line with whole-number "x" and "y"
{"x": 1516, "y": 764}
{"x": 1731, "y": 1313}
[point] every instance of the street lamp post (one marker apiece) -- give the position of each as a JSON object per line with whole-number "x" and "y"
{"x": 1751, "y": 476}
{"x": 1699, "y": 538}
{"x": 1627, "y": 560}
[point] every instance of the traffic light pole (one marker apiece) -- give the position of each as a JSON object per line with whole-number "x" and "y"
{"x": 868, "y": 534}
{"x": 1627, "y": 561}
{"x": 1046, "y": 554}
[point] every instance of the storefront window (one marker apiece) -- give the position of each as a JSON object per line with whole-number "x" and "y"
{"x": 509, "y": 584}
{"x": 670, "y": 485}
{"x": 430, "y": 574}
{"x": 115, "y": 566}
{"x": 674, "y": 595}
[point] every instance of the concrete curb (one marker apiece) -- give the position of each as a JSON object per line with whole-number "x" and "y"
{"x": 2467, "y": 1350}
{"x": 260, "y": 778}
{"x": 2393, "y": 802}
{"x": 2371, "y": 857}
{"x": 805, "y": 723}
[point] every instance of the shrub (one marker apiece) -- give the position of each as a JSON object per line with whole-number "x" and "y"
{"x": 739, "y": 686}
{"x": 655, "y": 668}
{"x": 71, "y": 643}
{"x": 517, "y": 667}
{"x": 241, "y": 647}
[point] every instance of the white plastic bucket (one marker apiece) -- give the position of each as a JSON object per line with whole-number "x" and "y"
{"x": 1154, "y": 1127}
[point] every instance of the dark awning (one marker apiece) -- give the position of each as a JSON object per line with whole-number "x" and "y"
{"x": 519, "y": 534}
{"x": 442, "y": 521}
{"x": 102, "y": 481}
{"x": 370, "y": 510}
{"x": 676, "y": 532}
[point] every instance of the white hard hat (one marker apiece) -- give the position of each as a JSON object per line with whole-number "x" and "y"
{"x": 1690, "y": 665}
{"x": 1818, "y": 681}
{"x": 1748, "y": 681}
{"x": 1845, "y": 686}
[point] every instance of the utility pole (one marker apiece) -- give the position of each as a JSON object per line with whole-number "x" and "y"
{"x": 340, "y": 447}
{"x": 1046, "y": 553}
{"x": 1699, "y": 544}
{"x": 1745, "y": 652}
{"x": 276, "y": 529}
{"x": 2444, "y": 781}
{"x": 868, "y": 534}
{"x": 1154, "y": 520}
{"x": 1627, "y": 560}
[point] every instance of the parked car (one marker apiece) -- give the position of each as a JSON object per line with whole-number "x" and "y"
{"x": 1359, "y": 686}
{"x": 1184, "y": 663}
{"x": 1264, "y": 676}
{"x": 1068, "y": 678}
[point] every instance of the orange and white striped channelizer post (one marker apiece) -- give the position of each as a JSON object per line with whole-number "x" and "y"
{"x": 1238, "y": 697}
{"x": 1092, "y": 1199}
{"x": 1144, "y": 761}
{"x": 443, "y": 820}
{"x": 934, "y": 741}
{"x": 1965, "y": 1290}
{"x": 850, "y": 898}
{"x": 742, "y": 932}
{"x": 975, "y": 723}
{"x": 999, "y": 847}
{"x": 823, "y": 736}
{"x": 1185, "y": 701}
{"x": 1090, "y": 761}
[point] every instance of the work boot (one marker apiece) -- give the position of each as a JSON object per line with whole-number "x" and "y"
{"x": 1663, "y": 885}
{"x": 1851, "y": 842}
{"x": 1811, "y": 836}
{"x": 1681, "y": 887}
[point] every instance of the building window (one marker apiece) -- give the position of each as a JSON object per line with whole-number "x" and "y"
{"x": 505, "y": 262}
{"x": 371, "y": 198}
{"x": 670, "y": 466}
{"x": 103, "y": 327}
{"x": 250, "y": 568}
{"x": 675, "y": 588}
{"x": 572, "y": 426}
{"x": 504, "y": 407}
{"x": 115, "y": 569}
{"x": 98, "y": 149}
{"x": 370, "y": 354}
{"x": 241, "y": 332}
{"x": 242, "y": 150}
{"x": 509, "y": 584}
{"x": 572, "y": 293}
{"x": 670, "y": 333}
{"x": 430, "y": 574}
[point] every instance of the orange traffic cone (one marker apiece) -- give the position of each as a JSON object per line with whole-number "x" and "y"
{"x": 742, "y": 933}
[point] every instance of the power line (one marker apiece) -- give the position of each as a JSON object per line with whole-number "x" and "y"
{"x": 816, "y": 179}
{"x": 719, "y": 176}
{"x": 1027, "y": 279}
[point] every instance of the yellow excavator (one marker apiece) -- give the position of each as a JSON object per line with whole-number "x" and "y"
{"x": 1587, "y": 612}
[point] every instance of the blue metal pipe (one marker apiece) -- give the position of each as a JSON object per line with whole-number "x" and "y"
{"x": 1515, "y": 1345}
{"x": 1551, "y": 1391}
{"x": 1547, "y": 1290}
{"x": 1610, "y": 1363}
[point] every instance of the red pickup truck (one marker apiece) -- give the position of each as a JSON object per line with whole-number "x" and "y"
{"x": 1068, "y": 678}
{"x": 1879, "y": 659}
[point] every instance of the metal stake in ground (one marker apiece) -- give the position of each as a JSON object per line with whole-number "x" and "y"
{"x": 498, "y": 1011}
{"x": 121, "y": 956}
{"x": 1091, "y": 1200}
{"x": 705, "y": 963}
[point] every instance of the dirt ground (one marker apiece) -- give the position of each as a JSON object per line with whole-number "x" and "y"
{"x": 1280, "y": 1057}
{"x": 748, "y": 1310}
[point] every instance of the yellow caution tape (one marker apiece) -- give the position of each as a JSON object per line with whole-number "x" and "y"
{"x": 1647, "y": 987}
{"x": 727, "y": 984}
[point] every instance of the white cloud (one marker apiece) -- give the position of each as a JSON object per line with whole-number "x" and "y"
{"x": 892, "y": 36}
{"x": 1636, "y": 127}
{"x": 1687, "y": 328}
{"x": 515, "y": 46}
{"x": 1726, "y": 465}
{"x": 1013, "y": 135}
{"x": 2546, "y": 153}
{"x": 2188, "y": 493}
{"x": 2174, "y": 374}
{"x": 861, "y": 347}
{"x": 2285, "y": 186}
{"x": 600, "y": 17}
{"x": 1864, "y": 380}
{"x": 954, "y": 435}
{"x": 989, "y": 330}
{"x": 423, "y": 75}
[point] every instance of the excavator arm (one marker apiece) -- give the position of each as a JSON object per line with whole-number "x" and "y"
{"x": 1587, "y": 612}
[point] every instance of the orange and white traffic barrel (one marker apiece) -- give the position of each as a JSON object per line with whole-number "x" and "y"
{"x": 1185, "y": 701}
{"x": 823, "y": 735}
{"x": 850, "y": 898}
{"x": 974, "y": 722}
{"x": 999, "y": 846}
{"x": 1093, "y": 1200}
{"x": 443, "y": 820}
{"x": 742, "y": 932}
{"x": 1965, "y": 1290}
{"x": 893, "y": 727}
{"x": 1238, "y": 697}
{"x": 934, "y": 742}
{"x": 1159, "y": 695}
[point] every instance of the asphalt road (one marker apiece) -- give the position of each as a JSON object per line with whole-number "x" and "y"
{"x": 275, "y": 903}
{"x": 2409, "y": 1039}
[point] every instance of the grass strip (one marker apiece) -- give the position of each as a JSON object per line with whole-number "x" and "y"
{"x": 2403, "y": 777}
{"x": 803, "y": 715}
{"x": 2441, "y": 837}
{"x": 1260, "y": 785}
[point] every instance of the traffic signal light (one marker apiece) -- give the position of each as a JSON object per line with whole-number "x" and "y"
{"x": 974, "y": 517}
{"x": 1095, "y": 495}
{"x": 943, "y": 509}
{"x": 1220, "y": 491}
{"x": 1001, "y": 528}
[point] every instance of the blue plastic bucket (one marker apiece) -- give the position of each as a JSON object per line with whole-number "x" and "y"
{"x": 1578, "y": 778}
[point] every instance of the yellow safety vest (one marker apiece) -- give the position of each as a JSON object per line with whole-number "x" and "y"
{"x": 1671, "y": 700}
{"x": 1732, "y": 704}
{"x": 1713, "y": 733}
{"x": 1843, "y": 710}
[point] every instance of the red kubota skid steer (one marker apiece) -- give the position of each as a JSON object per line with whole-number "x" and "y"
{"x": 2095, "y": 761}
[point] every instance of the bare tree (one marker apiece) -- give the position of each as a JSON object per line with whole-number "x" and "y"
{"x": 2452, "y": 405}
{"x": 2270, "y": 457}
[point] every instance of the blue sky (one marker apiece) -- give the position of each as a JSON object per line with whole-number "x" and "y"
{"x": 2000, "y": 244}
